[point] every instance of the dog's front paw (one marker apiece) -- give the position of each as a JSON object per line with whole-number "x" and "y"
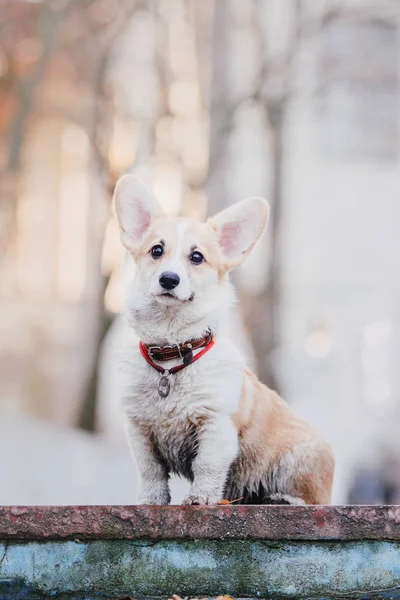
{"x": 200, "y": 499}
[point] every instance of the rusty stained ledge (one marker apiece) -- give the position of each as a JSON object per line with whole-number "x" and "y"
{"x": 200, "y": 522}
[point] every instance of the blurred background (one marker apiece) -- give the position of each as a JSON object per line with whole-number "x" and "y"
{"x": 209, "y": 101}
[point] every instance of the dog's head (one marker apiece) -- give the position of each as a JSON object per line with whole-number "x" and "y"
{"x": 182, "y": 264}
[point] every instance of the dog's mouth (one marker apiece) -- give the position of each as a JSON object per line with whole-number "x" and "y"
{"x": 171, "y": 296}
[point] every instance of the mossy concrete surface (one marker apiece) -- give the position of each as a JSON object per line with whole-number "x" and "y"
{"x": 106, "y": 566}
{"x": 121, "y": 569}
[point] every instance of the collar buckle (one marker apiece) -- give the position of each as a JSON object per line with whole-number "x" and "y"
{"x": 152, "y": 349}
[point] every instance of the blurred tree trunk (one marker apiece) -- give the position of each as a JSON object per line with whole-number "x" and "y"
{"x": 104, "y": 180}
{"x": 266, "y": 88}
{"x": 260, "y": 311}
{"x": 23, "y": 90}
{"x": 220, "y": 112}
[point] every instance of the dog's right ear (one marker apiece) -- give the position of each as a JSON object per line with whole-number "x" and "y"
{"x": 136, "y": 208}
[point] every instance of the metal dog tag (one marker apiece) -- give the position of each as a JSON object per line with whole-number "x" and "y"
{"x": 164, "y": 385}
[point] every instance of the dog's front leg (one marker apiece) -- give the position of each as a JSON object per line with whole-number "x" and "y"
{"x": 153, "y": 474}
{"x": 218, "y": 448}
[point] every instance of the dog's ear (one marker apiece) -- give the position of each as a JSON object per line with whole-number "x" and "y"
{"x": 136, "y": 208}
{"x": 238, "y": 228}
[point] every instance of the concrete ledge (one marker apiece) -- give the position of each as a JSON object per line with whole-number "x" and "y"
{"x": 212, "y": 523}
{"x": 270, "y": 552}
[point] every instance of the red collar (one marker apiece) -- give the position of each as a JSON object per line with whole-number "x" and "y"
{"x": 183, "y": 351}
{"x": 146, "y": 356}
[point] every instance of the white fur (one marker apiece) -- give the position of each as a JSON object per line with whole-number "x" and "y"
{"x": 206, "y": 394}
{"x": 209, "y": 389}
{"x": 175, "y": 265}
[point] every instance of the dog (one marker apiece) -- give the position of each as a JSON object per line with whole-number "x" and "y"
{"x": 192, "y": 406}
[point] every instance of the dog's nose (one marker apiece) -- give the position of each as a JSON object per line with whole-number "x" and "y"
{"x": 169, "y": 281}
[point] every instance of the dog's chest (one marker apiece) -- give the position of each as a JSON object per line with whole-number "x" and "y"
{"x": 173, "y": 424}
{"x": 195, "y": 392}
{"x": 175, "y": 443}
{"x": 186, "y": 405}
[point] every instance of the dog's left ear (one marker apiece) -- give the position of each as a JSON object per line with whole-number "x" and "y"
{"x": 238, "y": 228}
{"x": 136, "y": 208}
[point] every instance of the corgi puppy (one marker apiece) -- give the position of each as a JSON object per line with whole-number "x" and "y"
{"x": 192, "y": 405}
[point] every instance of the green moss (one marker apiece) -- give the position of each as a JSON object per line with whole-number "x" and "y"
{"x": 112, "y": 568}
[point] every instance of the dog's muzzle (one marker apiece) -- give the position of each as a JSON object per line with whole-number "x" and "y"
{"x": 169, "y": 281}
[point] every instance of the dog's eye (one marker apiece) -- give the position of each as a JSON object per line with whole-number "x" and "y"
{"x": 196, "y": 258}
{"x": 157, "y": 251}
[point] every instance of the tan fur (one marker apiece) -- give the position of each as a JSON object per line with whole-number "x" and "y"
{"x": 269, "y": 430}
